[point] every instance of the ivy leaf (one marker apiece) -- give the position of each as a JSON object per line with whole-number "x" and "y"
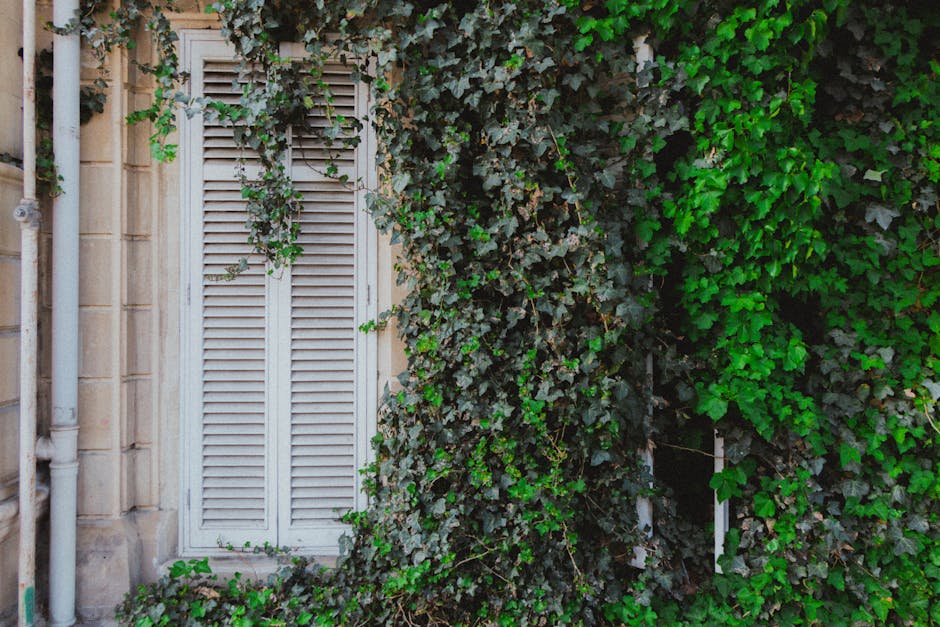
{"x": 873, "y": 175}
{"x": 836, "y": 579}
{"x": 906, "y": 546}
{"x": 712, "y": 404}
{"x": 795, "y": 357}
{"x": 759, "y": 35}
{"x": 400, "y": 181}
{"x": 727, "y": 482}
{"x": 855, "y": 488}
{"x": 848, "y": 455}
{"x": 819, "y": 570}
{"x": 881, "y": 214}
{"x": 886, "y": 353}
{"x": 179, "y": 569}
{"x": 764, "y": 506}
{"x": 933, "y": 388}
{"x": 918, "y": 523}
{"x": 202, "y": 566}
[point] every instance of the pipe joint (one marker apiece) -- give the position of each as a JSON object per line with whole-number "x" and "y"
{"x": 64, "y": 442}
{"x": 27, "y": 213}
{"x": 64, "y": 418}
{"x": 45, "y": 449}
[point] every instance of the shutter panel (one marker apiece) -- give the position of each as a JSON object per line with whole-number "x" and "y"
{"x": 277, "y": 404}
{"x": 322, "y": 438}
{"x": 323, "y": 459}
{"x": 230, "y": 495}
{"x": 234, "y": 430}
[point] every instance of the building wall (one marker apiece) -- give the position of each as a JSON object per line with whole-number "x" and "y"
{"x": 129, "y": 422}
{"x": 11, "y": 181}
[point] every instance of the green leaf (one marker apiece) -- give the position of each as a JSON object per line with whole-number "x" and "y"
{"x": 836, "y": 579}
{"x": 202, "y": 566}
{"x": 728, "y": 482}
{"x": 712, "y": 404}
{"x": 179, "y": 569}
{"x": 849, "y": 455}
{"x": 764, "y": 505}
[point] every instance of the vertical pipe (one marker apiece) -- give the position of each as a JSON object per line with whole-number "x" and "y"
{"x": 29, "y": 276}
{"x": 64, "y": 431}
{"x": 28, "y": 215}
{"x": 29, "y": 100}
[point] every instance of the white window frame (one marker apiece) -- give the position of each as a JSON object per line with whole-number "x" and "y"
{"x": 643, "y": 54}
{"x": 196, "y": 46}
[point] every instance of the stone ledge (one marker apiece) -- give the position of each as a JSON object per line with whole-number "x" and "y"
{"x": 9, "y": 172}
{"x": 252, "y": 567}
{"x": 10, "y": 510}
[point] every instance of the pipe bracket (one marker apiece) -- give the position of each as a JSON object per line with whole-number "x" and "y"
{"x": 27, "y": 212}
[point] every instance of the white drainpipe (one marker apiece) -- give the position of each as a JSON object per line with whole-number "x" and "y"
{"x": 64, "y": 431}
{"x": 28, "y": 215}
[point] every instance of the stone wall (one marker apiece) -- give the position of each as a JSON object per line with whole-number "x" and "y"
{"x": 11, "y": 190}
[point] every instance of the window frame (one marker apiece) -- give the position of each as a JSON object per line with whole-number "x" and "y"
{"x": 195, "y": 47}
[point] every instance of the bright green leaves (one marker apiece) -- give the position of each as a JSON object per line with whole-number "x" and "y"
{"x": 728, "y": 482}
{"x": 712, "y": 403}
{"x": 764, "y": 505}
{"x": 795, "y": 357}
{"x": 790, "y": 227}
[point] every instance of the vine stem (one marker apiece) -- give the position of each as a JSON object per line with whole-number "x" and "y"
{"x": 685, "y": 448}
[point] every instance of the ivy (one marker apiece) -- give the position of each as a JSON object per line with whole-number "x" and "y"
{"x": 756, "y": 209}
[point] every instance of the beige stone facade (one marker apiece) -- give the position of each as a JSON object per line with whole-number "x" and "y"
{"x": 11, "y": 180}
{"x": 129, "y": 388}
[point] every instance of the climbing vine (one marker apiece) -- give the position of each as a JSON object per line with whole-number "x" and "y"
{"x": 756, "y": 209}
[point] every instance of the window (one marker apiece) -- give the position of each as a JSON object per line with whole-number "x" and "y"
{"x": 278, "y": 385}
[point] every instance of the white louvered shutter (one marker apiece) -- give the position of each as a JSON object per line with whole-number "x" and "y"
{"x": 229, "y": 453}
{"x": 324, "y": 309}
{"x": 279, "y": 402}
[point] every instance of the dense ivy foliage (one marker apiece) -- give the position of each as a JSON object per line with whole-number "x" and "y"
{"x": 756, "y": 210}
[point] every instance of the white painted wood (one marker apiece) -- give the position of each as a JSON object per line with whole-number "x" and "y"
{"x": 332, "y": 386}
{"x": 722, "y": 510}
{"x": 226, "y": 410}
{"x": 279, "y": 385}
{"x": 644, "y": 506}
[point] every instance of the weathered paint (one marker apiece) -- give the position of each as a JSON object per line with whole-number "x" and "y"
{"x": 28, "y": 605}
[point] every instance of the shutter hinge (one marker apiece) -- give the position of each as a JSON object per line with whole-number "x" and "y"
{"x": 368, "y": 294}
{"x": 188, "y": 296}
{"x": 188, "y": 506}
